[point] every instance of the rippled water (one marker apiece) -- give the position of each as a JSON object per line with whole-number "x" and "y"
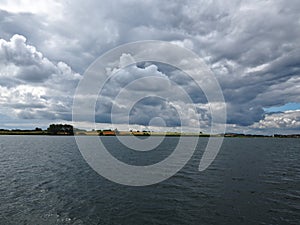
{"x": 44, "y": 180}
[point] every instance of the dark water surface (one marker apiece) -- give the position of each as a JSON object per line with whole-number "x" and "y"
{"x": 44, "y": 180}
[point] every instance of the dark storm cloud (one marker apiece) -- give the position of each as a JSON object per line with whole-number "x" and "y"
{"x": 42, "y": 114}
{"x": 151, "y": 107}
{"x": 245, "y": 34}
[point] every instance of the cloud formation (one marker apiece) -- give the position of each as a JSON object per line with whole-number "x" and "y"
{"x": 32, "y": 86}
{"x": 251, "y": 46}
{"x": 286, "y": 120}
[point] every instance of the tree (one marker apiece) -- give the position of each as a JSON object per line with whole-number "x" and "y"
{"x": 60, "y": 129}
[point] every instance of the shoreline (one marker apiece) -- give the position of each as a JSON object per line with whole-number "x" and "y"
{"x": 145, "y": 134}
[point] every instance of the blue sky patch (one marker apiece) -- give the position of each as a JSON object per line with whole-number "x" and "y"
{"x": 283, "y": 108}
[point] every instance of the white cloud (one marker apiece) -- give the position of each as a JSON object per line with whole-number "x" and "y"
{"x": 31, "y": 85}
{"x": 29, "y": 64}
{"x": 287, "y": 120}
{"x": 50, "y": 8}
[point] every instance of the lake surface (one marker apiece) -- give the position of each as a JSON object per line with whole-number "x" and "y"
{"x": 45, "y": 180}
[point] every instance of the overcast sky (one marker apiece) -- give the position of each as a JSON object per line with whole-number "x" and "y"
{"x": 252, "y": 47}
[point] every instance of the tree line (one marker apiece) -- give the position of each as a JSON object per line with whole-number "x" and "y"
{"x": 60, "y": 129}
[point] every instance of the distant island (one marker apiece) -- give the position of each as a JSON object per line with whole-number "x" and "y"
{"x": 69, "y": 130}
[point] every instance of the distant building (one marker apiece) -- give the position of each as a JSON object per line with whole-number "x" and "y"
{"x": 108, "y": 133}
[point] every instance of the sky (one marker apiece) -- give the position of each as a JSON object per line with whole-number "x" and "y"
{"x": 252, "y": 47}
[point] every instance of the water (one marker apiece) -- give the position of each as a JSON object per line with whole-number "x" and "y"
{"x": 44, "y": 180}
